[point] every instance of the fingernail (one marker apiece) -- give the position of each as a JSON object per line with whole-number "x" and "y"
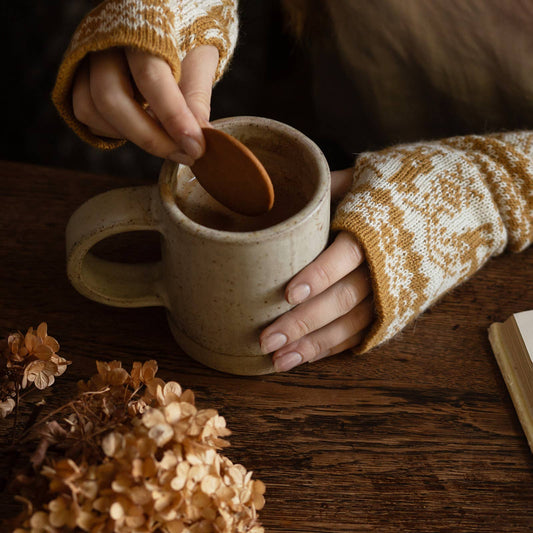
{"x": 273, "y": 342}
{"x": 191, "y": 147}
{"x": 287, "y": 361}
{"x": 180, "y": 157}
{"x": 299, "y": 293}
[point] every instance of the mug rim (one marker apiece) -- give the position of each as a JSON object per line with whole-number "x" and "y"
{"x": 170, "y": 170}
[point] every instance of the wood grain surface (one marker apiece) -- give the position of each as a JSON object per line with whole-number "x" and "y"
{"x": 417, "y": 435}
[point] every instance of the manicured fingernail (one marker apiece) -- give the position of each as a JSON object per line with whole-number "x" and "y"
{"x": 191, "y": 147}
{"x": 287, "y": 361}
{"x": 299, "y": 293}
{"x": 273, "y": 342}
{"x": 180, "y": 157}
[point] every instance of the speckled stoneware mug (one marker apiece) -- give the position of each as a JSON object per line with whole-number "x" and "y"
{"x": 221, "y": 276}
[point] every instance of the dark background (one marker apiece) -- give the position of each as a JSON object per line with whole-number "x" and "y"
{"x": 302, "y": 83}
{"x": 269, "y": 76}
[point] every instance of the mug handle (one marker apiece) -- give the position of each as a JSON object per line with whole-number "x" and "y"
{"x": 113, "y": 283}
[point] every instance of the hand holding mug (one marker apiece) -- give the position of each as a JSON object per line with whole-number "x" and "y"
{"x": 332, "y": 298}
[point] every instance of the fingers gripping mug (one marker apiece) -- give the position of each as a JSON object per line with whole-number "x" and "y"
{"x": 222, "y": 275}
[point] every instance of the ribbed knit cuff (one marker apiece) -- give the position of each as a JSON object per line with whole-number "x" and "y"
{"x": 160, "y": 27}
{"x": 145, "y": 25}
{"x": 209, "y": 22}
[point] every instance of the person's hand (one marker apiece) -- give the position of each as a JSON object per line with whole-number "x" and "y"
{"x": 333, "y": 297}
{"x": 169, "y": 125}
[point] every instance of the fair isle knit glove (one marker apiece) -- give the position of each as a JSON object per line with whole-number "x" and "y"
{"x": 429, "y": 215}
{"x": 165, "y": 28}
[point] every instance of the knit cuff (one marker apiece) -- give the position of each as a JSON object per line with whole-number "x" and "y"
{"x": 160, "y": 27}
{"x": 208, "y": 22}
{"x": 429, "y": 215}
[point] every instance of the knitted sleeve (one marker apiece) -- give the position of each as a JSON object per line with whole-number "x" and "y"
{"x": 429, "y": 215}
{"x": 165, "y": 28}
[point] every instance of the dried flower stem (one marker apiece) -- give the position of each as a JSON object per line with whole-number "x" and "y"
{"x": 15, "y": 418}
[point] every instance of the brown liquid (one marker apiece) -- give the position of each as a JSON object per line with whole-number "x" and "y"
{"x": 199, "y": 206}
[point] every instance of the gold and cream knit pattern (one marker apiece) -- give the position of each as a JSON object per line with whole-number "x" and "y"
{"x": 165, "y": 28}
{"x": 429, "y": 215}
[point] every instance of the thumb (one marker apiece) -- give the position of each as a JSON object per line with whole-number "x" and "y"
{"x": 198, "y": 71}
{"x": 341, "y": 183}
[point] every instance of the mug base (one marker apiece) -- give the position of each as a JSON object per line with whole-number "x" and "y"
{"x": 243, "y": 365}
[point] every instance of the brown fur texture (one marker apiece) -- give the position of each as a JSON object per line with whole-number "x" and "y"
{"x": 429, "y": 68}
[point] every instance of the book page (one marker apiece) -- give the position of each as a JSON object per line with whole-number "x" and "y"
{"x": 524, "y": 321}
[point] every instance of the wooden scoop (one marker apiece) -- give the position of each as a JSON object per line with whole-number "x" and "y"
{"x": 233, "y": 175}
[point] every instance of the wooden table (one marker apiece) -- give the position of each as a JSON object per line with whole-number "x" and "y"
{"x": 418, "y": 435}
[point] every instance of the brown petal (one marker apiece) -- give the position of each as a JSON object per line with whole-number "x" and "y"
{"x": 161, "y": 433}
{"x": 42, "y": 330}
{"x": 149, "y": 370}
{"x": 117, "y": 376}
{"x": 116, "y": 511}
{"x": 30, "y": 340}
{"x": 136, "y": 374}
{"x": 112, "y": 444}
{"x": 210, "y": 484}
{"x": 52, "y": 343}
{"x": 43, "y": 352}
{"x": 140, "y": 495}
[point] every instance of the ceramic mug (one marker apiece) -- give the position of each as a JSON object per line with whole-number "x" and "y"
{"x": 222, "y": 275}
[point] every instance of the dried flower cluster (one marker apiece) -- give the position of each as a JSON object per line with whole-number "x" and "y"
{"x": 25, "y": 360}
{"x": 133, "y": 454}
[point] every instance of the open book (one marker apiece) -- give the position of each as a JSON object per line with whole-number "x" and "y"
{"x": 512, "y": 344}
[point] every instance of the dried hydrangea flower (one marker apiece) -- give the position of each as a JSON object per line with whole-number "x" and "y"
{"x": 153, "y": 467}
{"x": 37, "y": 344}
{"x": 28, "y": 359}
{"x": 40, "y": 373}
{"x": 6, "y": 407}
